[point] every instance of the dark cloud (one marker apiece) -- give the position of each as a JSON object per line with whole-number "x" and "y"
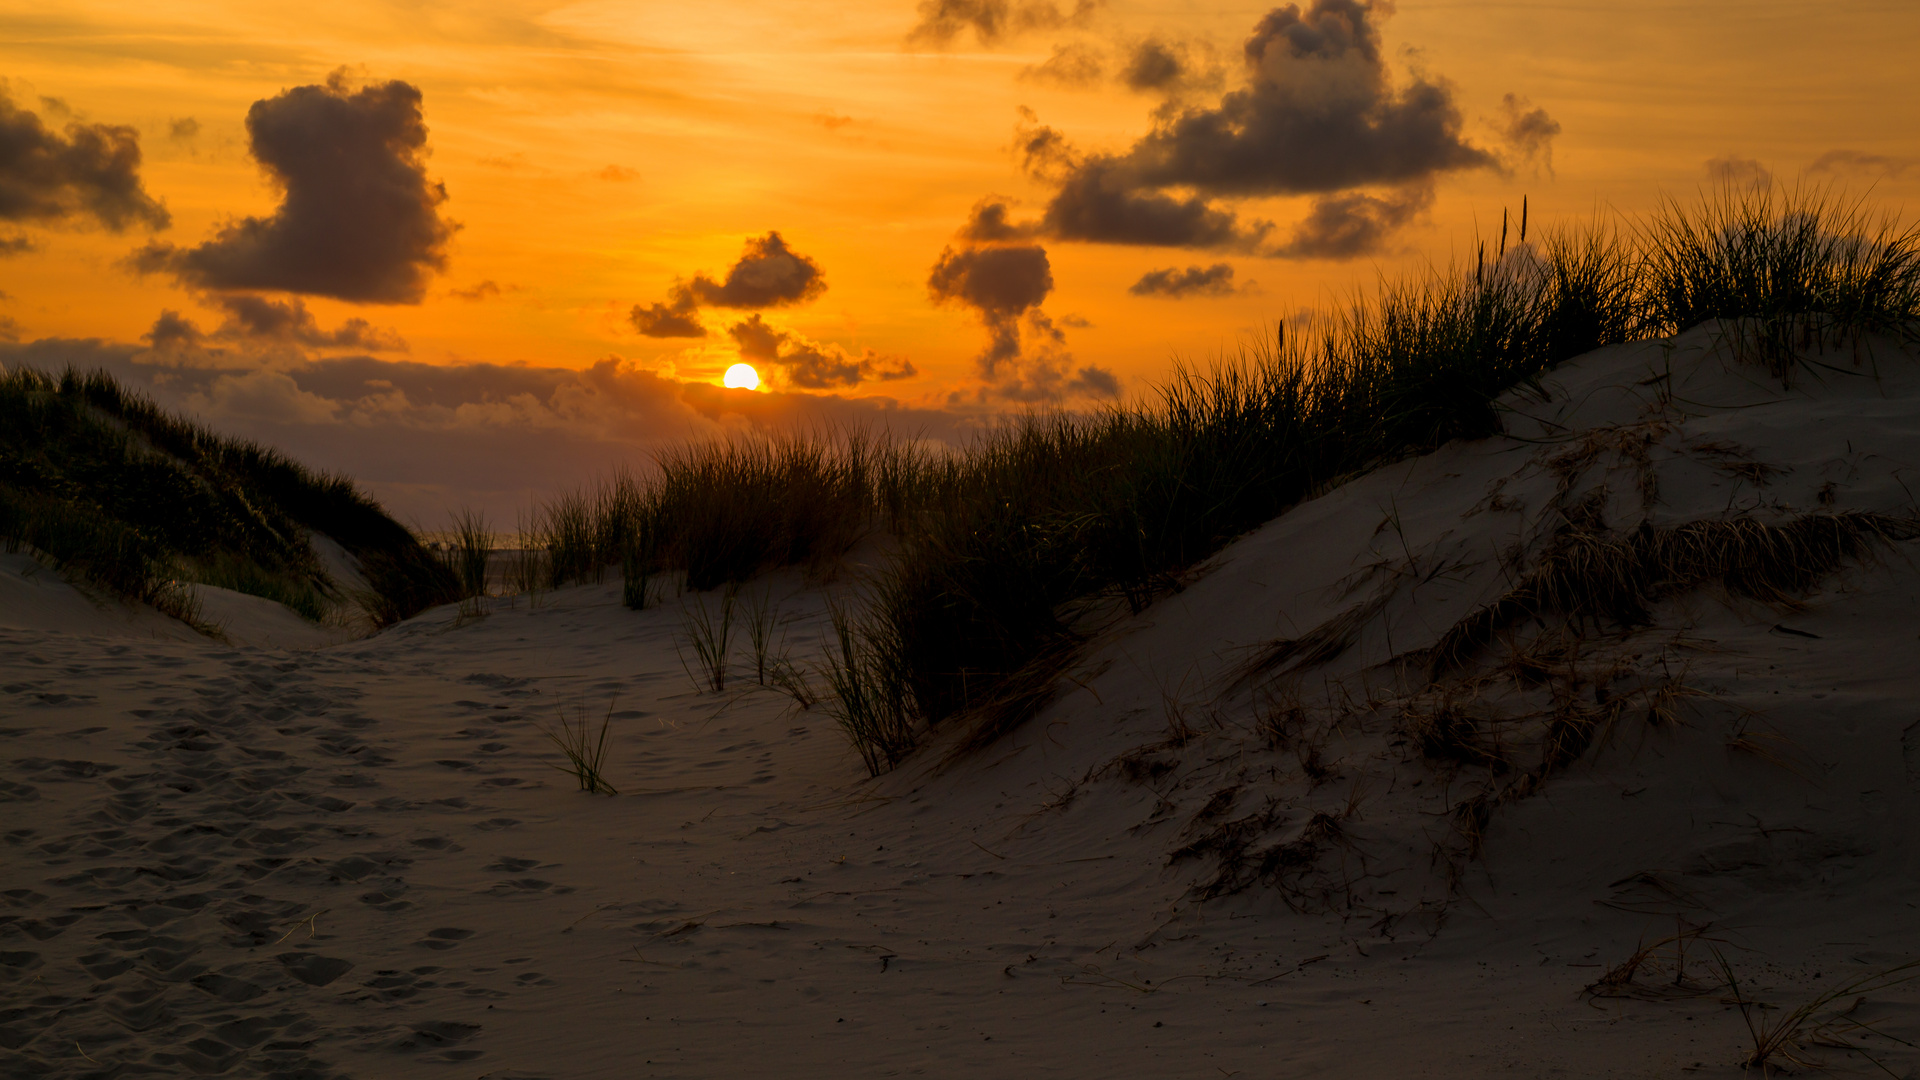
{"x": 1318, "y": 115}
{"x": 257, "y": 322}
{"x": 93, "y": 172}
{"x": 184, "y": 129}
{"x": 993, "y": 20}
{"x": 999, "y": 284}
{"x": 674, "y": 320}
{"x": 290, "y": 322}
{"x": 1099, "y": 203}
{"x": 768, "y": 274}
{"x": 811, "y": 365}
{"x": 1854, "y": 161}
{"x": 1352, "y": 225}
{"x": 17, "y": 245}
{"x": 1004, "y": 287}
{"x": 1073, "y": 64}
{"x": 1157, "y": 65}
{"x": 991, "y": 222}
{"x": 1528, "y": 130}
{"x": 1735, "y": 170}
{"x": 9, "y": 329}
{"x": 358, "y": 220}
{"x": 1215, "y": 280}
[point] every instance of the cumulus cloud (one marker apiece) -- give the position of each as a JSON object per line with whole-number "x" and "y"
{"x": 1527, "y": 130}
{"x": 1025, "y": 359}
{"x": 358, "y": 218}
{"x": 811, "y": 365}
{"x": 1162, "y": 66}
{"x": 92, "y": 173}
{"x": 999, "y": 285}
{"x": 1352, "y": 225}
{"x": 1319, "y": 114}
{"x": 670, "y": 320}
{"x": 768, "y": 274}
{"x": 1855, "y": 161}
{"x": 992, "y": 21}
{"x": 1738, "y": 171}
{"x": 1173, "y": 282}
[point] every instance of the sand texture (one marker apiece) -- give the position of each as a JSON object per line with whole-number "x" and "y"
{"x": 1368, "y": 853}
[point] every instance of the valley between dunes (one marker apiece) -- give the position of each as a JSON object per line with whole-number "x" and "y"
{"x": 1285, "y": 823}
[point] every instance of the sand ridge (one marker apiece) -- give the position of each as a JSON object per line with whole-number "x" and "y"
{"x": 359, "y": 861}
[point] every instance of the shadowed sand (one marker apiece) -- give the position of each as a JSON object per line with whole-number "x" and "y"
{"x": 360, "y": 859}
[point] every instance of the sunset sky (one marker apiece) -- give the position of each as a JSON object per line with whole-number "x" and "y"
{"x": 476, "y": 252}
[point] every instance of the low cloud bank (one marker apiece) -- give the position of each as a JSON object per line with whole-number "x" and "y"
{"x": 425, "y": 437}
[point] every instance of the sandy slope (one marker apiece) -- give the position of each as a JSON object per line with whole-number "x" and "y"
{"x": 357, "y": 861}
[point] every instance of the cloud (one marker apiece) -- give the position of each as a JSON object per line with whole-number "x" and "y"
{"x": 1004, "y": 286}
{"x": 999, "y": 285}
{"x": 1854, "y": 161}
{"x": 618, "y": 174}
{"x": 185, "y": 129}
{"x": 9, "y": 329}
{"x": 1733, "y": 170}
{"x": 1318, "y": 115}
{"x": 811, "y": 365}
{"x": 668, "y": 321}
{"x": 17, "y": 245}
{"x": 500, "y": 437}
{"x": 483, "y": 290}
{"x": 92, "y": 173}
{"x": 1099, "y": 203}
{"x": 1527, "y": 130}
{"x": 358, "y": 220}
{"x": 1157, "y": 65}
{"x": 270, "y": 320}
{"x": 259, "y": 323}
{"x": 768, "y": 274}
{"x": 992, "y": 21}
{"x": 991, "y": 222}
{"x": 1174, "y": 283}
{"x": 1074, "y": 64}
{"x": 1352, "y": 225}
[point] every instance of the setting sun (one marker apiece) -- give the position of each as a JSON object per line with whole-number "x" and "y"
{"x": 741, "y": 377}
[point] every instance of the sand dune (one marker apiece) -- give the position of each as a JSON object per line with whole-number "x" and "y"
{"x": 271, "y": 858}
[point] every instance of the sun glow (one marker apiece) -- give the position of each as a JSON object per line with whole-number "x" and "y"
{"x": 741, "y": 377}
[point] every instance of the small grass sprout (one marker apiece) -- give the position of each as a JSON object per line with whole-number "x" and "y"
{"x": 710, "y": 633}
{"x": 585, "y": 750}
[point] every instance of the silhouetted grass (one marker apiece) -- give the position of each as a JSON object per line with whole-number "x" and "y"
{"x": 105, "y": 484}
{"x": 1009, "y": 551}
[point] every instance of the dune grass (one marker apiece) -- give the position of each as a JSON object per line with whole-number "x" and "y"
{"x": 584, "y": 749}
{"x": 123, "y": 495}
{"x": 1010, "y": 551}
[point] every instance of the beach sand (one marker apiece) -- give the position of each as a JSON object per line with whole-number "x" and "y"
{"x": 296, "y": 855}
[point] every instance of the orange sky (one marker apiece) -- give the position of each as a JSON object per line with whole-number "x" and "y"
{"x": 595, "y": 152}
